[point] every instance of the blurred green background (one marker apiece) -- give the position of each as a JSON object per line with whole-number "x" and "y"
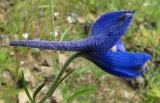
{"x": 71, "y": 20}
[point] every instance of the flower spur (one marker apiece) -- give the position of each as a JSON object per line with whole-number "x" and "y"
{"x": 105, "y": 33}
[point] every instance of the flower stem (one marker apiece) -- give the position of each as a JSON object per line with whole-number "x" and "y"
{"x": 59, "y": 76}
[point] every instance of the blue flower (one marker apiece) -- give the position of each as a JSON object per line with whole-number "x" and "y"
{"x": 121, "y": 63}
{"x": 105, "y": 33}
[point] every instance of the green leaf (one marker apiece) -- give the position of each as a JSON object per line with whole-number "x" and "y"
{"x": 81, "y": 92}
{"x": 65, "y": 76}
{"x": 38, "y": 89}
{"x": 26, "y": 89}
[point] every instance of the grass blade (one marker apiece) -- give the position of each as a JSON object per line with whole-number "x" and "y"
{"x": 81, "y": 92}
{"x": 65, "y": 32}
{"x": 38, "y": 90}
{"x": 26, "y": 89}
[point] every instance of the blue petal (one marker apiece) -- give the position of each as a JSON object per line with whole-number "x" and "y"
{"x": 120, "y": 47}
{"x": 123, "y": 64}
{"x": 128, "y": 73}
{"x": 111, "y": 26}
{"x": 102, "y": 25}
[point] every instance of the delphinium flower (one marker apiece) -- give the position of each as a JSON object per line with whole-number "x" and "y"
{"x": 106, "y": 32}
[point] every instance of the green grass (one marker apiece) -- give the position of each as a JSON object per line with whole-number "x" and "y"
{"x": 86, "y": 83}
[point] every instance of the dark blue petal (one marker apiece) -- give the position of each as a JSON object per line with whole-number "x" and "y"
{"x": 112, "y": 25}
{"x": 124, "y": 64}
{"x": 105, "y": 23}
{"x": 127, "y": 73}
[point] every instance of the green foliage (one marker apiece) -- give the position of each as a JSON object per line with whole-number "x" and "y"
{"x": 8, "y": 63}
{"x": 3, "y": 56}
{"x": 8, "y": 94}
{"x": 78, "y": 94}
{"x": 152, "y": 94}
